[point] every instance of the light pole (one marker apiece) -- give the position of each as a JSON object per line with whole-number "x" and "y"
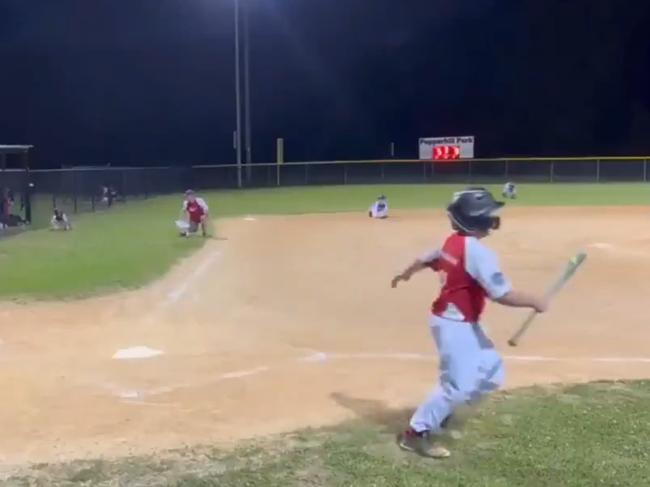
{"x": 247, "y": 96}
{"x": 238, "y": 96}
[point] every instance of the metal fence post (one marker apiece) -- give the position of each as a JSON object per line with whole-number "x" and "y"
{"x": 506, "y": 169}
{"x": 597, "y": 170}
{"x": 381, "y": 171}
{"x": 279, "y": 158}
{"x": 345, "y": 173}
{"x": 645, "y": 170}
{"x": 306, "y": 173}
{"x": 74, "y": 189}
{"x": 551, "y": 175}
{"x": 123, "y": 179}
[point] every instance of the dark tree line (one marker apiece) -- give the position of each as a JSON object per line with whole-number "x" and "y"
{"x": 88, "y": 82}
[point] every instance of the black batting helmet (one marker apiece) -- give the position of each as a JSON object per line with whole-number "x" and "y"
{"x": 474, "y": 210}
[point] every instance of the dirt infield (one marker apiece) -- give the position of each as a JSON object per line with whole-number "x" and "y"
{"x": 290, "y": 323}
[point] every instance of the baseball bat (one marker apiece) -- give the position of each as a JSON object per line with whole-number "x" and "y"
{"x": 568, "y": 273}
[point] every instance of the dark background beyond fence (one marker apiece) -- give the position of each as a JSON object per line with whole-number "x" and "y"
{"x": 81, "y": 189}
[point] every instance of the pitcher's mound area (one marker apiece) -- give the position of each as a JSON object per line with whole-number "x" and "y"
{"x": 266, "y": 331}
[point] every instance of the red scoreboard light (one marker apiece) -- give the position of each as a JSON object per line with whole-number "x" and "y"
{"x": 446, "y": 152}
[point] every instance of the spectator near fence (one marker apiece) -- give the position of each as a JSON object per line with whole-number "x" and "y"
{"x": 109, "y": 195}
{"x": 6, "y": 206}
{"x": 7, "y": 218}
{"x": 6, "y": 203}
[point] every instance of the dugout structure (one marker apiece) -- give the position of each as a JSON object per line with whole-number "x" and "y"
{"x": 16, "y": 156}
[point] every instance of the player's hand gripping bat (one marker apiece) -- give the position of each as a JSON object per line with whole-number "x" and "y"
{"x": 568, "y": 273}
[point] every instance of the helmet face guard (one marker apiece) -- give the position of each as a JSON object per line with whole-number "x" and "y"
{"x": 475, "y": 211}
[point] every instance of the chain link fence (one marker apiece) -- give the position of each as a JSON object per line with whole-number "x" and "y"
{"x": 35, "y": 193}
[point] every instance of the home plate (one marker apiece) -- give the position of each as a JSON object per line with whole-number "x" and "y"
{"x": 250, "y": 219}
{"x": 136, "y": 353}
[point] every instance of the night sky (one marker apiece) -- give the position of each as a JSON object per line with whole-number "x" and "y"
{"x": 152, "y": 81}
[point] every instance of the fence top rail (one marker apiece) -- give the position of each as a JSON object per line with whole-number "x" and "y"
{"x": 501, "y": 159}
{"x": 414, "y": 161}
{"x": 104, "y": 169}
{"x": 338, "y": 162}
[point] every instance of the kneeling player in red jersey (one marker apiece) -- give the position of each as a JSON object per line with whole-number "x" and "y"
{"x": 196, "y": 211}
{"x": 470, "y": 367}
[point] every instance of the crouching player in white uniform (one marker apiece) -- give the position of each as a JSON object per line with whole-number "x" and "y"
{"x": 379, "y": 208}
{"x": 60, "y": 221}
{"x": 469, "y": 272}
{"x": 509, "y": 190}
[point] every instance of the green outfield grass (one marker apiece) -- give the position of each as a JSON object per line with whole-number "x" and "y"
{"x": 582, "y": 435}
{"x": 135, "y": 243}
{"x": 121, "y": 248}
{"x": 359, "y": 198}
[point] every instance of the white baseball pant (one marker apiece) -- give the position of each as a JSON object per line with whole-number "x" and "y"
{"x": 470, "y": 367}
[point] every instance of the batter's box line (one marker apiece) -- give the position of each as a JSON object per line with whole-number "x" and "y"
{"x": 138, "y": 394}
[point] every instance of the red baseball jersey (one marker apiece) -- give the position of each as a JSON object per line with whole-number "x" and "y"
{"x": 196, "y": 209}
{"x": 469, "y": 272}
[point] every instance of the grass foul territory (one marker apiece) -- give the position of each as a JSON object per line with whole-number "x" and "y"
{"x": 134, "y": 244}
{"x": 580, "y": 435}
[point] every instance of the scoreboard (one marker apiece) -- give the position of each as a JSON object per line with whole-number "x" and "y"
{"x": 446, "y": 148}
{"x": 446, "y": 152}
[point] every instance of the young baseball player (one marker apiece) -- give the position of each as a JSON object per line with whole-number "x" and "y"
{"x": 60, "y": 221}
{"x": 379, "y": 208}
{"x": 469, "y": 273}
{"x": 509, "y": 190}
{"x": 196, "y": 211}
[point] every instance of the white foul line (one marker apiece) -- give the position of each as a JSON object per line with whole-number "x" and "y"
{"x": 623, "y": 360}
{"x": 139, "y": 395}
{"x": 243, "y": 373}
{"x": 617, "y": 250}
{"x": 180, "y": 291}
{"x": 322, "y": 357}
{"x": 601, "y": 245}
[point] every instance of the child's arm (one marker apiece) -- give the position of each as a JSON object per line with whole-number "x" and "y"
{"x": 419, "y": 264}
{"x": 203, "y": 205}
{"x": 483, "y": 265}
{"x": 406, "y": 274}
{"x": 518, "y": 299}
